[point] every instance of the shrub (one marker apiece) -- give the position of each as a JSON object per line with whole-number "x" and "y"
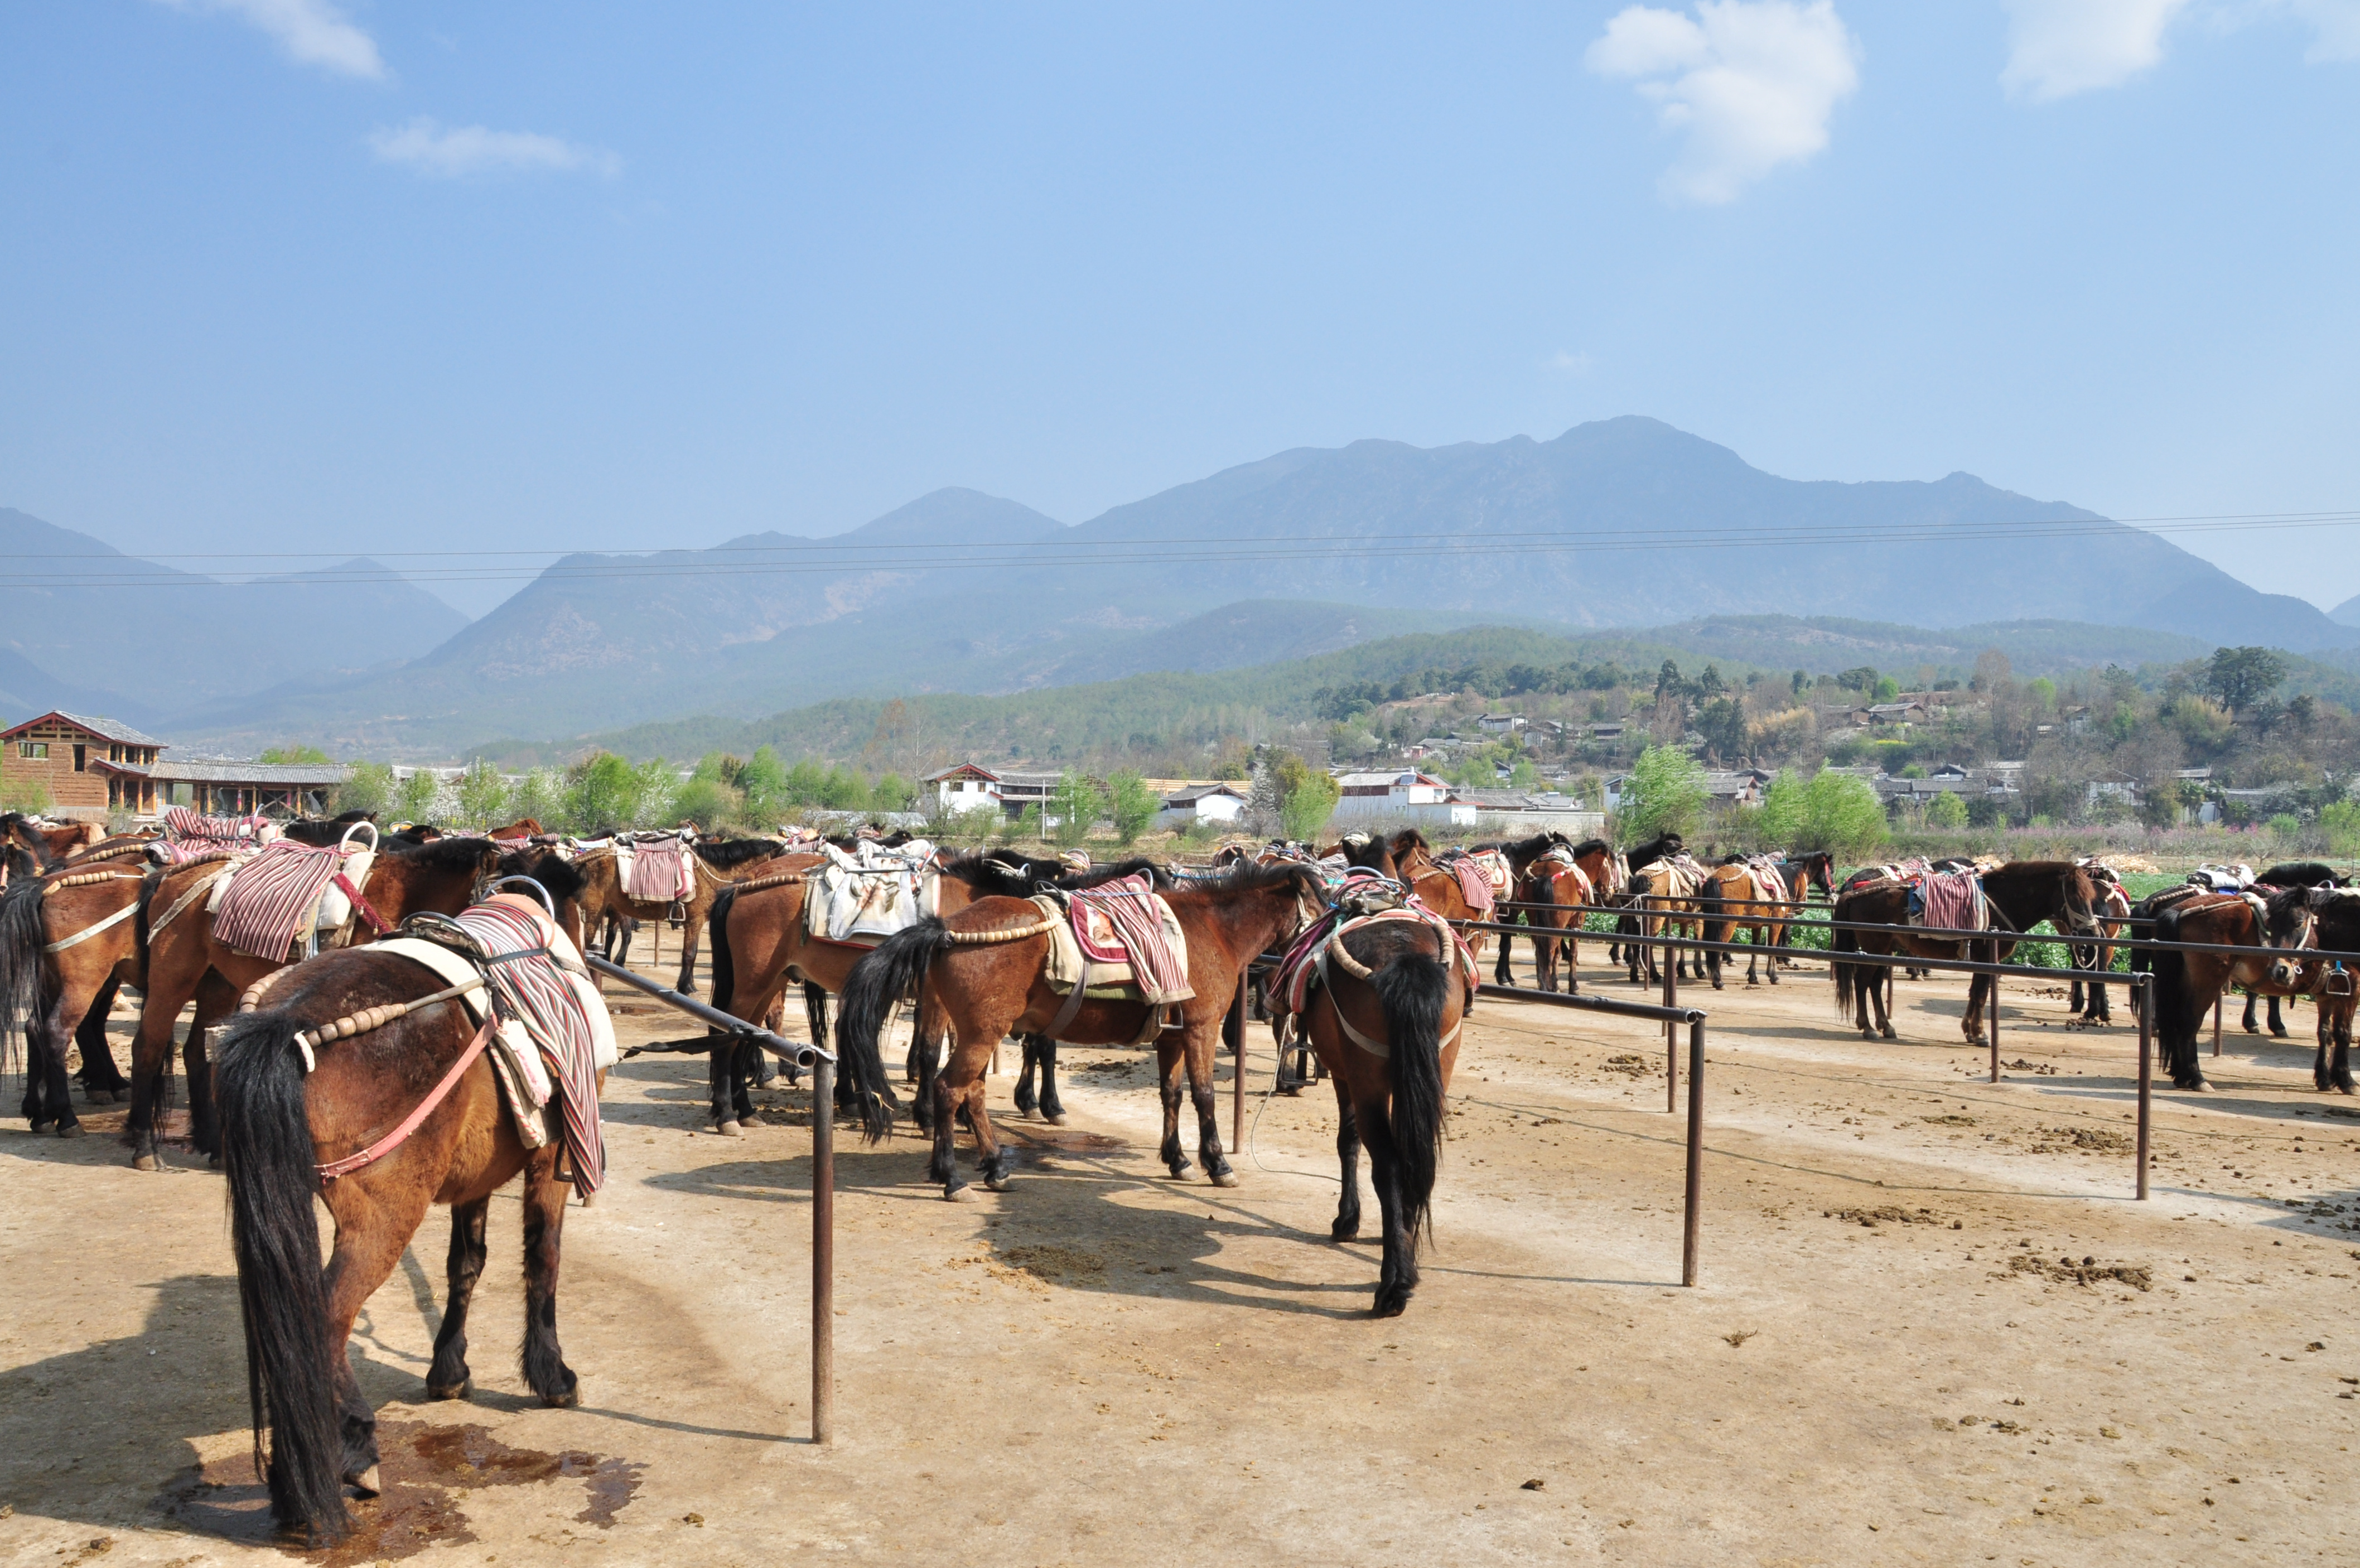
{"x": 1946, "y": 810}
{"x": 1133, "y": 804}
{"x": 483, "y": 794}
{"x": 1666, "y": 794}
{"x": 368, "y": 786}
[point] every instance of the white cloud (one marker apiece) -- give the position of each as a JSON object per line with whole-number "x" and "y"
{"x": 2337, "y": 23}
{"x": 1565, "y": 362}
{"x": 312, "y": 32}
{"x": 2058, "y": 48}
{"x": 452, "y": 151}
{"x": 1751, "y": 82}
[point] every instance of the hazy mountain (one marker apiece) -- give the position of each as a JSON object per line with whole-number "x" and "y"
{"x": 140, "y": 640}
{"x": 2347, "y": 613}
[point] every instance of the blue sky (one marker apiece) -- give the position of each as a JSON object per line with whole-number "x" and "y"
{"x": 285, "y": 274}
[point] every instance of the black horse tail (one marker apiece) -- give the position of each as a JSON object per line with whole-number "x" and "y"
{"x": 2176, "y": 1016}
{"x": 717, "y": 943}
{"x": 1413, "y": 990}
{"x": 893, "y": 968}
{"x": 22, "y": 933}
{"x": 815, "y": 1016}
{"x": 290, "y": 1367}
{"x": 1848, "y": 976}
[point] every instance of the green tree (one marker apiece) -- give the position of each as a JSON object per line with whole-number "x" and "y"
{"x": 2241, "y": 676}
{"x": 1075, "y": 803}
{"x": 763, "y": 780}
{"x": 1666, "y": 794}
{"x": 368, "y": 786}
{"x": 601, "y": 792}
{"x": 29, "y": 796}
{"x": 1840, "y": 813}
{"x": 1304, "y": 808}
{"x": 655, "y": 786}
{"x": 2340, "y": 821}
{"x": 1722, "y": 724}
{"x": 1133, "y": 804}
{"x": 539, "y": 797}
{"x": 415, "y": 798}
{"x": 483, "y": 794}
{"x": 293, "y": 756}
{"x": 1946, "y": 810}
{"x": 1887, "y": 688}
{"x": 892, "y": 792}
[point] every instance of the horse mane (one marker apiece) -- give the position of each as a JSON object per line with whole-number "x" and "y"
{"x": 1592, "y": 847}
{"x": 1254, "y": 876}
{"x": 1529, "y": 848}
{"x": 1409, "y": 839}
{"x": 17, "y": 829}
{"x": 2302, "y": 874}
{"x": 1157, "y": 874}
{"x": 724, "y": 853}
{"x": 446, "y": 857}
{"x": 553, "y": 870}
{"x": 986, "y": 871}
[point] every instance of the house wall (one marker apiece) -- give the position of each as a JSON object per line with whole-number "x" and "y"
{"x": 77, "y": 792}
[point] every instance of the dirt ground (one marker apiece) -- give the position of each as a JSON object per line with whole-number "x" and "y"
{"x": 1932, "y": 1327}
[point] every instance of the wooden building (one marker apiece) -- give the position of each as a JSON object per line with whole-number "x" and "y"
{"x": 229, "y": 788}
{"x": 70, "y": 755}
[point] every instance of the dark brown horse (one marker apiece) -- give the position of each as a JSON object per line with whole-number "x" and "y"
{"x": 278, "y": 1121}
{"x": 1386, "y": 1024}
{"x": 2335, "y": 927}
{"x": 983, "y": 973}
{"x": 2188, "y": 985}
{"x": 68, "y": 942}
{"x": 2020, "y": 895}
{"x": 184, "y": 963}
{"x": 713, "y": 868}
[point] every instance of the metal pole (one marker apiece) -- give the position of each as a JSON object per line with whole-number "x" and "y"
{"x": 823, "y": 1249}
{"x": 1689, "y": 1232}
{"x": 1234, "y": 1027}
{"x": 2216, "y": 1022}
{"x": 1995, "y": 1015}
{"x": 2145, "y": 984}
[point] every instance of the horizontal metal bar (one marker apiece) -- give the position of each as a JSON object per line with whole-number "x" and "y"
{"x": 803, "y": 1053}
{"x": 1885, "y": 960}
{"x": 1596, "y": 1004}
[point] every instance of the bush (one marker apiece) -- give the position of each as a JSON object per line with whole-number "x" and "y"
{"x": 2340, "y": 823}
{"x": 1946, "y": 810}
{"x": 27, "y": 795}
{"x": 1077, "y": 804}
{"x": 482, "y": 795}
{"x": 417, "y": 796}
{"x": 368, "y": 786}
{"x": 1666, "y": 794}
{"x": 1828, "y": 811}
{"x": 1306, "y": 798}
{"x": 1133, "y": 804}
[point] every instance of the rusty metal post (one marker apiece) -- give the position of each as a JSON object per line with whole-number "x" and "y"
{"x": 823, "y": 1248}
{"x": 2216, "y": 1021}
{"x": 1671, "y": 1030}
{"x": 1234, "y": 1027}
{"x": 1691, "y": 1220}
{"x": 1995, "y": 1015}
{"x": 2145, "y": 984}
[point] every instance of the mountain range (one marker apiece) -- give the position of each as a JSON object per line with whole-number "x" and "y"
{"x": 1625, "y": 523}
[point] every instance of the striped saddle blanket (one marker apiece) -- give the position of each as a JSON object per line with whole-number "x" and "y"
{"x": 660, "y": 870}
{"x": 1290, "y": 991}
{"x": 1483, "y": 878}
{"x": 189, "y": 834}
{"x": 1119, "y": 940}
{"x": 1952, "y": 900}
{"x": 286, "y": 896}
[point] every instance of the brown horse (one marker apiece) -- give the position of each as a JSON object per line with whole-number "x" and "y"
{"x": 983, "y": 975}
{"x": 185, "y": 964}
{"x": 50, "y": 841}
{"x": 68, "y": 942}
{"x": 1395, "y": 993}
{"x": 2021, "y": 894}
{"x": 714, "y": 866}
{"x": 2335, "y": 927}
{"x": 1666, "y": 896}
{"x": 277, "y": 1122}
{"x": 1756, "y": 900}
{"x": 2188, "y": 985}
{"x": 1436, "y": 884}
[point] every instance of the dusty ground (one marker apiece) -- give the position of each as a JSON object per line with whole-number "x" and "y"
{"x": 1911, "y": 1343}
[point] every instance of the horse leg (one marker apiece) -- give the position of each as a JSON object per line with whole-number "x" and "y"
{"x": 448, "y": 1377}
{"x": 1053, "y": 1110}
{"x": 216, "y": 1000}
{"x": 101, "y": 1080}
{"x": 1348, "y": 1156}
{"x": 2339, "y": 1071}
{"x": 1501, "y": 974}
{"x": 721, "y": 1086}
{"x": 545, "y": 1371}
{"x": 1397, "y": 1274}
{"x": 688, "y": 933}
{"x": 1202, "y": 1046}
{"x": 1543, "y": 960}
{"x": 48, "y": 1096}
{"x": 1881, "y": 985}
{"x": 1026, "y": 1100}
{"x": 151, "y": 1064}
{"x": 2252, "y": 1002}
{"x": 373, "y": 1222}
{"x": 1170, "y": 1053}
{"x": 1290, "y": 1079}
{"x": 2278, "y": 1021}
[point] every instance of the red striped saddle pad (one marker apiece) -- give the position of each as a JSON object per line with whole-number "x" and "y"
{"x": 270, "y": 898}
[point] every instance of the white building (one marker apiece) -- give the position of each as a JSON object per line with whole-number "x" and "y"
{"x": 970, "y": 787}
{"x": 1499, "y": 723}
{"x": 1405, "y": 795}
{"x": 1196, "y": 803}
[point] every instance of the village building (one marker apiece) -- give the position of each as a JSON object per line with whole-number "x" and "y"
{"x": 1190, "y": 805}
{"x": 1401, "y": 795}
{"x": 971, "y": 786}
{"x": 67, "y": 754}
{"x": 1499, "y": 723}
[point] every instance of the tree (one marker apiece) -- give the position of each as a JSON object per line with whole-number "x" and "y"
{"x": 1134, "y": 805}
{"x": 1842, "y": 814}
{"x": 1946, "y": 810}
{"x": 29, "y": 796}
{"x": 1722, "y": 724}
{"x": 763, "y": 780}
{"x": 1802, "y": 678}
{"x": 1859, "y": 678}
{"x": 1075, "y": 804}
{"x": 1666, "y": 794}
{"x": 368, "y": 786}
{"x": 601, "y": 793}
{"x": 1668, "y": 684}
{"x": 293, "y": 756}
{"x": 1993, "y": 676}
{"x": 482, "y": 795}
{"x": 416, "y": 798}
{"x": 539, "y": 797}
{"x": 2240, "y": 677}
{"x": 1306, "y": 799}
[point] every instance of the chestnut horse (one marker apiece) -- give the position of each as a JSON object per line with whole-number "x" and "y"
{"x": 1396, "y": 993}
{"x": 982, "y": 973}
{"x": 712, "y": 867}
{"x": 277, "y": 1120}
{"x": 2335, "y": 927}
{"x": 184, "y": 964}
{"x": 1734, "y": 900}
{"x": 2188, "y": 985}
{"x": 67, "y": 940}
{"x": 2020, "y": 894}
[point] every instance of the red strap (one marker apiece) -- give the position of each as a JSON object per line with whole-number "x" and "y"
{"x": 396, "y": 1138}
{"x": 367, "y": 911}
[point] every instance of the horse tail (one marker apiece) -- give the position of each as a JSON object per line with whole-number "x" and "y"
{"x": 1848, "y": 976}
{"x": 1413, "y": 990}
{"x": 725, "y": 964}
{"x": 290, "y": 1360}
{"x": 2175, "y": 1003}
{"x": 893, "y": 968}
{"x": 815, "y": 1013}
{"x": 23, "y": 934}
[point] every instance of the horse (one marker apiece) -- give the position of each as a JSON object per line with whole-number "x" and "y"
{"x": 278, "y": 1118}
{"x": 2334, "y": 926}
{"x": 2096, "y": 959}
{"x": 1520, "y": 854}
{"x": 605, "y": 904}
{"x": 49, "y": 841}
{"x": 2291, "y": 873}
{"x": 982, "y": 972}
{"x": 2187, "y": 984}
{"x": 67, "y": 943}
{"x": 1734, "y": 897}
{"x": 1670, "y": 895}
{"x": 1397, "y": 997}
{"x": 184, "y": 963}
{"x": 2020, "y": 895}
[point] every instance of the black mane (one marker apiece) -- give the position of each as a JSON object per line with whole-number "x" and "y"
{"x": 724, "y": 853}
{"x": 2301, "y": 874}
{"x": 445, "y": 856}
{"x": 547, "y": 867}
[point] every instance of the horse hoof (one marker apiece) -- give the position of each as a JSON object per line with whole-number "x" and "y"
{"x": 1340, "y": 1232}
{"x": 729, "y": 1130}
{"x": 998, "y": 1183}
{"x": 1056, "y": 1119}
{"x": 146, "y": 1162}
{"x": 100, "y": 1096}
{"x": 459, "y": 1390}
{"x": 1225, "y": 1178}
{"x": 565, "y": 1400}
{"x": 962, "y": 1193}
{"x": 751, "y": 1120}
{"x": 369, "y": 1484}
{"x": 69, "y": 1130}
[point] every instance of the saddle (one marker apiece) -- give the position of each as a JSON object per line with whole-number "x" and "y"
{"x": 279, "y": 902}
{"x": 1484, "y": 875}
{"x": 1952, "y": 900}
{"x": 189, "y": 834}
{"x": 1119, "y": 942}
{"x": 864, "y": 896}
{"x": 1365, "y": 900}
{"x": 657, "y": 868}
